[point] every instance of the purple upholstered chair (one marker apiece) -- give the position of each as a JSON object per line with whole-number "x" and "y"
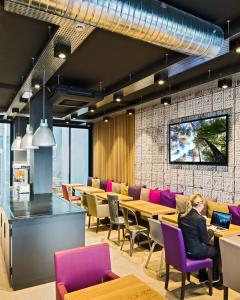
{"x": 79, "y": 268}
{"x": 175, "y": 255}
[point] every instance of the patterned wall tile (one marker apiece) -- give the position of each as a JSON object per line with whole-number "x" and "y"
{"x": 218, "y": 101}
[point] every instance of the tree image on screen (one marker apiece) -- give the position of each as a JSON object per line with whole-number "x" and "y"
{"x": 199, "y": 141}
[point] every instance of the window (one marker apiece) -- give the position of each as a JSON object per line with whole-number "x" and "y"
{"x": 4, "y": 156}
{"x": 70, "y": 155}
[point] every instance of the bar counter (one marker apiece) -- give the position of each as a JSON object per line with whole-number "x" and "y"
{"x": 32, "y": 229}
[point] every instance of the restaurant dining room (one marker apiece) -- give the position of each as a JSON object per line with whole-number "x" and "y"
{"x": 119, "y": 150}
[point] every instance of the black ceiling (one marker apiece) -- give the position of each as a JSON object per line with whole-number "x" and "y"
{"x": 21, "y": 39}
{"x": 104, "y": 56}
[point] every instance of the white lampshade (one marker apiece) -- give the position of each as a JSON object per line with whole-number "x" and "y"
{"x": 43, "y": 136}
{"x": 16, "y": 145}
{"x": 26, "y": 142}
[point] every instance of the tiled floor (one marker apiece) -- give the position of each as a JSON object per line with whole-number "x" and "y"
{"x": 122, "y": 264}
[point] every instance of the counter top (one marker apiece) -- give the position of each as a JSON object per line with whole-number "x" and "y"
{"x": 35, "y": 206}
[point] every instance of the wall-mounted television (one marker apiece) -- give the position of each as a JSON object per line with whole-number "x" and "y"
{"x": 199, "y": 141}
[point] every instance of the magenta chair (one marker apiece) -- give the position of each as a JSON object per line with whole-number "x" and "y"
{"x": 175, "y": 255}
{"x": 80, "y": 268}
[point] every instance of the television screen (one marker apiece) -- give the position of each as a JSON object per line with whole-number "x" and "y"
{"x": 202, "y": 141}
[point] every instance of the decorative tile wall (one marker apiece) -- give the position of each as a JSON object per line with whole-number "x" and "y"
{"x": 151, "y": 159}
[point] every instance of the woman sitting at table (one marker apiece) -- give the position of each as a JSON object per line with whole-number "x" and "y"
{"x": 197, "y": 237}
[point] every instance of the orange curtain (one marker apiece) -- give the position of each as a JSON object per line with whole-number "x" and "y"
{"x": 114, "y": 149}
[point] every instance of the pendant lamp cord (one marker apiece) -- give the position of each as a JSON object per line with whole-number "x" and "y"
{"x": 44, "y": 78}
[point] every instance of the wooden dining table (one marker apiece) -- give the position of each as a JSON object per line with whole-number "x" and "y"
{"x": 88, "y": 189}
{"x": 233, "y": 229}
{"x": 148, "y": 208}
{"x": 128, "y": 287}
{"x": 121, "y": 197}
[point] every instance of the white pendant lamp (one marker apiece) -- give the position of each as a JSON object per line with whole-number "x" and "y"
{"x": 16, "y": 145}
{"x": 27, "y": 140}
{"x": 43, "y": 136}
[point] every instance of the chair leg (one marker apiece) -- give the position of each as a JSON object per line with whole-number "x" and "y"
{"x": 123, "y": 241}
{"x": 118, "y": 234}
{"x": 132, "y": 240}
{"x": 225, "y": 293}
{"x": 161, "y": 262}
{"x": 89, "y": 221}
{"x": 97, "y": 225}
{"x": 167, "y": 276}
{"x": 183, "y": 286}
{"x": 150, "y": 254}
{"x": 109, "y": 231}
{"x": 189, "y": 277}
{"x": 210, "y": 276}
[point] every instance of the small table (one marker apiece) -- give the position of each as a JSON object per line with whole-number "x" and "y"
{"x": 88, "y": 189}
{"x": 124, "y": 288}
{"x": 233, "y": 230}
{"x": 148, "y": 208}
{"x": 121, "y": 197}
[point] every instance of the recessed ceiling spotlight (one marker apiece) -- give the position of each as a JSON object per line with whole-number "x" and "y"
{"x": 62, "y": 50}
{"x": 92, "y": 108}
{"x": 166, "y": 101}
{"x": 15, "y": 110}
{"x": 80, "y": 26}
{"x": 118, "y": 97}
{"x": 36, "y": 83}
{"x": 74, "y": 116}
{"x": 106, "y": 119}
{"x": 130, "y": 112}
{"x": 224, "y": 83}
{"x": 161, "y": 77}
{"x": 23, "y": 100}
{"x": 27, "y": 94}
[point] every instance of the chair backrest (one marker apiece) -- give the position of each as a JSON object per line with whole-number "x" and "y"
{"x": 174, "y": 247}
{"x": 103, "y": 184}
{"x": 92, "y": 204}
{"x": 113, "y": 207}
{"x": 81, "y": 267}
{"x": 65, "y": 191}
{"x": 155, "y": 228}
{"x": 84, "y": 201}
{"x": 126, "y": 212}
{"x": 89, "y": 181}
{"x": 230, "y": 252}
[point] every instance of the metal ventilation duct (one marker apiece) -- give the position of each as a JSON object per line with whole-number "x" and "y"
{"x": 148, "y": 20}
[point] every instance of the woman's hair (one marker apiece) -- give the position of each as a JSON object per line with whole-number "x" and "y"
{"x": 195, "y": 200}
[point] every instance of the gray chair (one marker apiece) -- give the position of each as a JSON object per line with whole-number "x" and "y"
{"x": 115, "y": 220}
{"x": 133, "y": 230}
{"x": 157, "y": 238}
{"x": 230, "y": 253}
{"x": 96, "y": 209}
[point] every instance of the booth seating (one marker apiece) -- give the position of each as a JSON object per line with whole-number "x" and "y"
{"x": 80, "y": 268}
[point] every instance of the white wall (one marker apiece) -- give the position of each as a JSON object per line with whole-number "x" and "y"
{"x": 152, "y": 168}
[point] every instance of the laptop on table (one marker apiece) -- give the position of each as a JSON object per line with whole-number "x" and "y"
{"x": 220, "y": 221}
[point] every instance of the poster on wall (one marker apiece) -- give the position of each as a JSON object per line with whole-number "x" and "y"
{"x": 201, "y": 141}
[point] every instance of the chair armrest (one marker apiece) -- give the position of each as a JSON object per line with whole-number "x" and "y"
{"x": 61, "y": 291}
{"x": 111, "y": 276}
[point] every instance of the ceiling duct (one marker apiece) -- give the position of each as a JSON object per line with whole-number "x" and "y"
{"x": 148, "y": 20}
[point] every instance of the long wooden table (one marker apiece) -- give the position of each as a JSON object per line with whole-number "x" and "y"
{"x": 233, "y": 230}
{"x": 121, "y": 197}
{"x": 88, "y": 189}
{"x": 147, "y": 208}
{"x": 125, "y": 288}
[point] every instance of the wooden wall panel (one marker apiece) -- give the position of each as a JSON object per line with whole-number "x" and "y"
{"x": 114, "y": 149}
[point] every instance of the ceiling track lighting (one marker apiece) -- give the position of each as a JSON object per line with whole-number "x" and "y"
{"x": 92, "y": 108}
{"x": 118, "y": 97}
{"x": 106, "y": 119}
{"x": 224, "y": 83}
{"x": 130, "y": 112}
{"x": 27, "y": 94}
{"x": 166, "y": 101}
{"x": 62, "y": 50}
{"x": 36, "y": 83}
{"x": 15, "y": 110}
{"x": 161, "y": 77}
{"x": 23, "y": 100}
